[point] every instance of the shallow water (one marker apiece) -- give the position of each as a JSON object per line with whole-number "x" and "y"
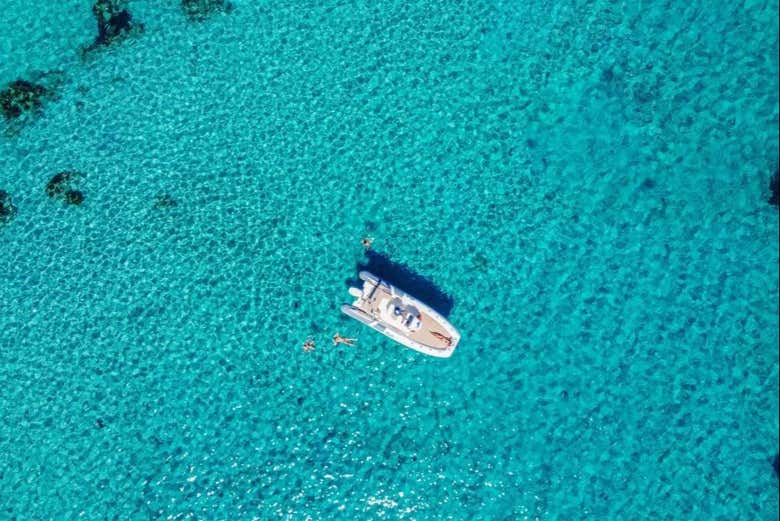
{"x": 586, "y": 181}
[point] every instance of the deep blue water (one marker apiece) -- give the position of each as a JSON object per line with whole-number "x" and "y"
{"x": 584, "y": 184}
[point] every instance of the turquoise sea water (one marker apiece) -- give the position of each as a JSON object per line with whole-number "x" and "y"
{"x": 586, "y": 180}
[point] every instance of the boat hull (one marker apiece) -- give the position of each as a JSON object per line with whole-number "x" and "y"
{"x": 401, "y": 317}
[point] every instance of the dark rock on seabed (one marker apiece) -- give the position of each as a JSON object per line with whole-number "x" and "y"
{"x": 164, "y": 201}
{"x": 7, "y": 209}
{"x": 21, "y": 96}
{"x": 113, "y": 23}
{"x": 27, "y": 96}
{"x": 199, "y": 10}
{"x": 60, "y": 182}
{"x": 61, "y": 186}
{"x": 648, "y": 184}
{"x": 74, "y": 197}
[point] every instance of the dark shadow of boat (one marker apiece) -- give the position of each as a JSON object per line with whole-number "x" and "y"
{"x": 405, "y": 279}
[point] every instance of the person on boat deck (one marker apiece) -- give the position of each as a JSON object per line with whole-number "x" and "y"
{"x": 446, "y": 339}
{"x": 338, "y": 339}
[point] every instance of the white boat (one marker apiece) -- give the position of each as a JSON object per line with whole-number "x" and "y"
{"x": 400, "y": 316}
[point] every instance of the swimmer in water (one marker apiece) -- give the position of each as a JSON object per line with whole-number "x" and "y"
{"x": 338, "y": 339}
{"x": 367, "y": 242}
{"x": 308, "y": 345}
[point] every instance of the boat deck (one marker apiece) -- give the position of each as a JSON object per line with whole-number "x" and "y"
{"x": 424, "y": 335}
